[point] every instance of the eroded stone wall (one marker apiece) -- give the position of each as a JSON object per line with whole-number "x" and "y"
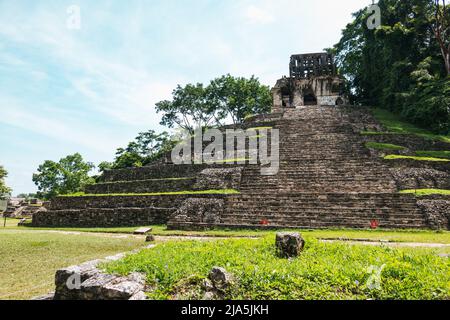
{"x": 437, "y": 212}
{"x": 420, "y": 178}
{"x": 108, "y": 211}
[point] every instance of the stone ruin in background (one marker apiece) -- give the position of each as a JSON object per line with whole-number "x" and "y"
{"x": 312, "y": 80}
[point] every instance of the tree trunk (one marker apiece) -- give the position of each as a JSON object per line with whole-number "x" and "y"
{"x": 440, "y": 31}
{"x": 447, "y": 61}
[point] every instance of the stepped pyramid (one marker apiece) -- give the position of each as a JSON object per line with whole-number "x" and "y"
{"x": 326, "y": 177}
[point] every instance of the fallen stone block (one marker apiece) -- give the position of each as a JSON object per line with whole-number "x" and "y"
{"x": 142, "y": 231}
{"x": 289, "y": 244}
{"x": 87, "y": 282}
{"x": 121, "y": 289}
{"x": 220, "y": 278}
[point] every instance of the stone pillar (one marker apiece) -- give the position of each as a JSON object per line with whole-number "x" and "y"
{"x": 277, "y": 100}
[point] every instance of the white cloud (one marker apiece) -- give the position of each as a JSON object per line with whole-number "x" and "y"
{"x": 258, "y": 15}
{"x": 111, "y": 87}
{"x": 14, "y": 113}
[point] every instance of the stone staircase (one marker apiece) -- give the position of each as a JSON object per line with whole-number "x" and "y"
{"x": 320, "y": 210}
{"x": 126, "y": 197}
{"x": 326, "y": 178}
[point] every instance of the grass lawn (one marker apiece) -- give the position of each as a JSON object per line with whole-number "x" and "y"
{"x": 29, "y": 258}
{"x": 395, "y": 124}
{"x": 323, "y": 271}
{"x": 424, "y": 236}
{"x": 434, "y": 154}
{"x": 426, "y": 192}
{"x": 32, "y": 255}
{"x": 394, "y": 157}
{"x": 259, "y": 128}
{"x": 383, "y": 146}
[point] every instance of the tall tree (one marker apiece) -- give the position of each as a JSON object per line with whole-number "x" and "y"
{"x": 189, "y": 108}
{"x": 441, "y": 29}
{"x": 238, "y": 97}
{"x": 68, "y": 175}
{"x": 147, "y": 147}
{"x": 398, "y": 65}
{"x": 225, "y": 98}
{"x": 4, "y": 189}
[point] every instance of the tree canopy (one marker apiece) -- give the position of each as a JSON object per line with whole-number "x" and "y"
{"x": 399, "y": 66}
{"x": 68, "y": 175}
{"x": 147, "y": 147}
{"x": 4, "y": 189}
{"x": 226, "y": 97}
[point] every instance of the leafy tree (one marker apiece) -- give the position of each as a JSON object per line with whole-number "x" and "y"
{"x": 189, "y": 108}
{"x": 429, "y": 105}
{"x": 394, "y": 65}
{"x": 28, "y": 196}
{"x": 4, "y": 189}
{"x": 238, "y": 98}
{"x": 197, "y": 106}
{"x": 441, "y": 29}
{"x": 67, "y": 176}
{"x": 105, "y": 165}
{"x": 145, "y": 148}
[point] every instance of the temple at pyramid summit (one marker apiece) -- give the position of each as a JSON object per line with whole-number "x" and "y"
{"x": 328, "y": 174}
{"x": 312, "y": 80}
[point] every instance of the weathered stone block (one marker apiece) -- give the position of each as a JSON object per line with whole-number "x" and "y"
{"x": 437, "y": 212}
{"x": 219, "y": 178}
{"x": 121, "y": 289}
{"x": 87, "y": 282}
{"x": 220, "y": 278}
{"x": 289, "y": 244}
{"x": 203, "y": 210}
{"x": 142, "y": 230}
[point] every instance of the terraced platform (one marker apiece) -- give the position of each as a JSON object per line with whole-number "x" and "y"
{"x": 327, "y": 178}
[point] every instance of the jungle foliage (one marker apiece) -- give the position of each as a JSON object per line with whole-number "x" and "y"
{"x": 403, "y": 65}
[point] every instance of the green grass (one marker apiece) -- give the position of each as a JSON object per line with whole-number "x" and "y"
{"x": 434, "y": 154}
{"x": 423, "y": 236}
{"x": 394, "y": 157}
{"x": 219, "y": 191}
{"x": 260, "y": 128}
{"x": 29, "y": 258}
{"x": 396, "y": 125}
{"x": 323, "y": 271}
{"x": 383, "y": 146}
{"x": 162, "y": 179}
{"x": 229, "y": 160}
{"x": 427, "y": 192}
{"x": 378, "y": 133}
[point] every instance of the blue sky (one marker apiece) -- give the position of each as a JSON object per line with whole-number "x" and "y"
{"x": 92, "y": 90}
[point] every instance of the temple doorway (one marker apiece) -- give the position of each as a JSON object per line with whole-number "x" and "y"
{"x": 309, "y": 99}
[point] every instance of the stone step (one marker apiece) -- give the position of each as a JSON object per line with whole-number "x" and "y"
{"x": 299, "y": 225}
{"x": 160, "y": 171}
{"x": 101, "y": 217}
{"x": 323, "y": 218}
{"x": 142, "y": 186}
{"x": 320, "y": 225}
